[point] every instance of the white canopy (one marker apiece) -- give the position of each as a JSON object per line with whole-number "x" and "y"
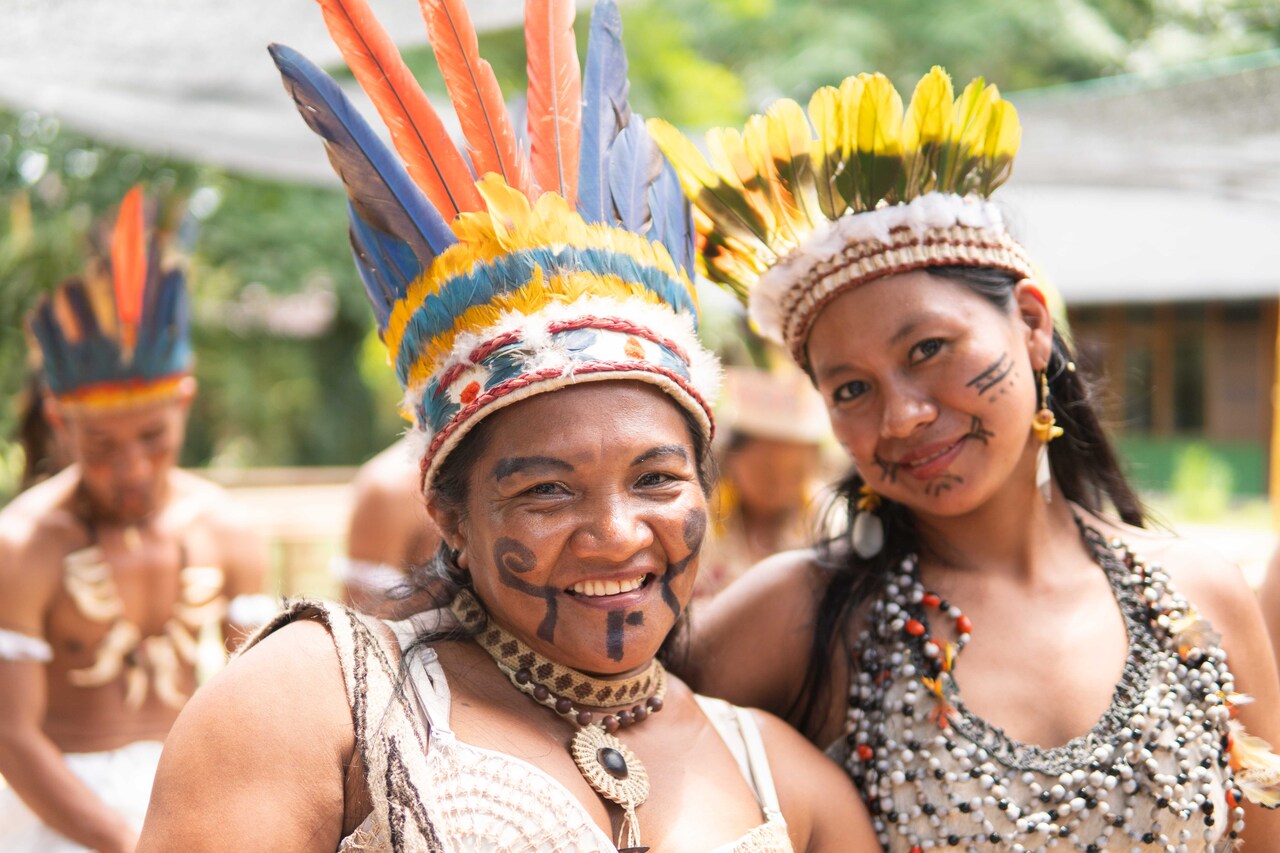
{"x": 1126, "y": 189}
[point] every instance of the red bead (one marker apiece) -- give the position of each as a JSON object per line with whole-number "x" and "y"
{"x": 540, "y": 693}
{"x": 963, "y": 625}
{"x": 654, "y": 703}
{"x": 915, "y": 850}
{"x": 931, "y": 600}
{"x": 563, "y": 706}
{"x": 865, "y": 752}
{"x": 639, "y": 712}
{"x": 1231, "y": 798}
{"x": 584, "y": 718}
{"x": 915, "y": 628}
{"x": 624, "y": 718}
{"x": 610, "y": 724}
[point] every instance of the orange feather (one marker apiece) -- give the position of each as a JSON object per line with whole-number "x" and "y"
{"x": 555, "y": 95}
{"x": 474, "y": 91}
{"x": 417, "y": 132}
{"x": 129, "y": 265}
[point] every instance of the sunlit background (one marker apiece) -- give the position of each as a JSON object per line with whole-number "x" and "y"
{"x": 1148, "y": 189}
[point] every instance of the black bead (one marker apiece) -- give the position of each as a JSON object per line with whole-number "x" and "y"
{"x": 1003, "y": 805}
{"x": 1044, "y": 796}
{"x": 965, "y": 808}
{"x": 953, "y": 840}
{"x": 1064, "y": 831}
{"x": 612, "y": 762}
{"x": 1148, "y": 838}
{"x": 910, "y": 775}
{"x": 995, "y": 838}
{"x": 1092, "y": 848}
{"x": 1162, "y": 802}
{"x": 928, "y": 808}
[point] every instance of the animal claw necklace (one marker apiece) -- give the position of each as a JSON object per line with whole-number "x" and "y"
{"x": 611, "y": 769}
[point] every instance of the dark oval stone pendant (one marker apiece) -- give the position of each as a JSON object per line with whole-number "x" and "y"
{"x": 612, "y": 762}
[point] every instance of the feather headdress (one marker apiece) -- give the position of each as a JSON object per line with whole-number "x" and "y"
{"x": 795, "y": 209}
{"x": 564, "y": 264}
{"x": 119, "y": 334}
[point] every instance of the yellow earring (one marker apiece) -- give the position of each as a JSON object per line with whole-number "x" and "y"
{"x": 1045, "y": 426}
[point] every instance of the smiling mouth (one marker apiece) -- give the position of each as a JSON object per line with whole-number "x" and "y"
{"x": 602, "y": 588}
{"x": 932, "y": 457}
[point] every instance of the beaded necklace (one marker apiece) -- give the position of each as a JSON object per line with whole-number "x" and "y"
{"x": 611, "y": 769}
{"x": 1153, "y": 771}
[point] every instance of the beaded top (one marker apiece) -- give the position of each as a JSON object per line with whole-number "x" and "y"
{"x": 1153, "y": 770}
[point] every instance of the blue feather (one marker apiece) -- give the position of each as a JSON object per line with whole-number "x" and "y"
{"x": 672, "y": 224}
{"x": 634, "y": 164}
{"x": 387, "y": 266}
{"x": 605, "y": 109}
{"x": 376, "y": 180}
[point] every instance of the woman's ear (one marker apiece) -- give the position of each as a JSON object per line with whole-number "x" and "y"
{"x": 1033, "y": 309}
{"x": 449, "y": 523}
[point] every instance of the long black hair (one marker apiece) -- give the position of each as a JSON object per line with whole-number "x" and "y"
{"x": 1083, "y": 461}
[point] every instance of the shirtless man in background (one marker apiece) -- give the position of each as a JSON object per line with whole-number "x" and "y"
{"x": 389, "y": 534}
{"x": 112, "y": 569}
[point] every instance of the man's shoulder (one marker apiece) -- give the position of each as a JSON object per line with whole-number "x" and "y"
{"x": 199, "y": 500}
{"x": 42, "y": 513}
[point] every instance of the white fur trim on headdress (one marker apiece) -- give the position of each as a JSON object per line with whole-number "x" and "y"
{"x": 769, "y": 300}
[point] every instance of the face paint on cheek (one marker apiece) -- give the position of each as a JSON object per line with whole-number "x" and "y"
{"x": 978, "y": 430}
{"x": 514, "y": 558}
{"x": 992, "y": 376}
{"x": 695, "y": 529}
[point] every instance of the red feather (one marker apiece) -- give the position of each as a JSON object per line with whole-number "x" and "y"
{"x": 129, "y": 265}
{"x": 555, "y": 95}
{"x": 432, "y": 159}
{"x": 476, "y": 97}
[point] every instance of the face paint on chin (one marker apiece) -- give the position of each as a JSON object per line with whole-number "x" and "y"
{"x": 942, "y": 483}
{"x": 888, "y": 470}
{"x": 695, "y": 530}
{"x": 514, "y": 558}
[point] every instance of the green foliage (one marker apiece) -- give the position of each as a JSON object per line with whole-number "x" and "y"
{"x": 1202, "y": 483}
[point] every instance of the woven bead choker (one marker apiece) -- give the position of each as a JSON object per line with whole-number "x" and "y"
{"x": 611, "y": 769}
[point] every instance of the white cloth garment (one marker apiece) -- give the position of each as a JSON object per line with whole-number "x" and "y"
{"x": 120, "y": 777}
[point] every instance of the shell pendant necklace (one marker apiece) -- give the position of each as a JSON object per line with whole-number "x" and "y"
{"x": 611, "y": 769}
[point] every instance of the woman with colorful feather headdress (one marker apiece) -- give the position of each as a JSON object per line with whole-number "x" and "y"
{"x": 542, "y": 322}
{"x": 1098, "y": 711}
{"x": 112, "y": 568}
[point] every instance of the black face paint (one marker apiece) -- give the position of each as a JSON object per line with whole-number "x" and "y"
{"x": 979, "y": 431}
{"x": 614, "y": 630}
{"x": 613, "y": 635}
{"x": 514, "y": 558}
{"x": 942, "y": 483}
{"x": 695, "y": 529}
{"x": 888, "y": 470}
{"x": 992, "y": 376}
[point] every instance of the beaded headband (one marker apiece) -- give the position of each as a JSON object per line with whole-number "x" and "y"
{"x": 791, "y": 216}
{"x": 566, "y": 265}
{"x": 119, "y": 335}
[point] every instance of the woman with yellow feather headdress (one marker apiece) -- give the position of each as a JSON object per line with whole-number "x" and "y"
{"x": 542, "y": 322}
{"x": 993, "y": 666}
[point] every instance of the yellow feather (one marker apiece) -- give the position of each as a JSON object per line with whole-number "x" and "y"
{"x": 789, "y": 141}
{"x": 827, "y": 150}
{"x": 928, "y": 118}
{"x": 880, "y": 118}
{"x": 850, "y": 104}
{"x": 755, "y": 138}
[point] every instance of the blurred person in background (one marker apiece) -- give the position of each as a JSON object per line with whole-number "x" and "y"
{"x": 991, "y": 644}
{"x": 773, "y": 424}
{"x": 388, "y": 536}
{"x": 111, "y": 569}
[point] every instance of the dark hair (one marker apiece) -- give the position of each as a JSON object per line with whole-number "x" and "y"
{"x": 35, "y": 434}
{"x": 1083, "y": 461}
{"x": 440, "y": 579}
